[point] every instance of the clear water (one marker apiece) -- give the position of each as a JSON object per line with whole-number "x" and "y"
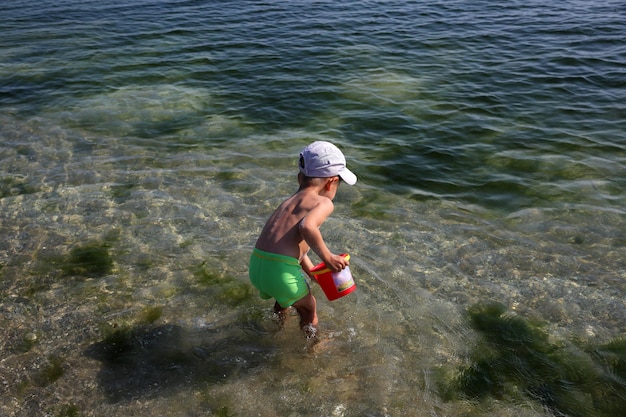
{"x": 488, "y": 138}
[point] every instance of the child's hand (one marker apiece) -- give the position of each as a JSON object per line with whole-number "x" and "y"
{"x": 337, "y": 263}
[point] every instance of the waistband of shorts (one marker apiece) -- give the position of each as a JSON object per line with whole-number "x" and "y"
{"x": 276, "y": 257}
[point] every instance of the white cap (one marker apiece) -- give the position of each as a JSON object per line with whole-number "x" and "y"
{"x": 322, "y": 160}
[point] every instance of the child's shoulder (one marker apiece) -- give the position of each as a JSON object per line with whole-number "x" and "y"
{"x": 310, "y": 195}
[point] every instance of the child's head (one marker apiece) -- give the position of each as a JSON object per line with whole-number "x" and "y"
{"x": 323, "y": 160}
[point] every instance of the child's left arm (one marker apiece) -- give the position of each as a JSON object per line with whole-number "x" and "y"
{"x": 307, "y": 265}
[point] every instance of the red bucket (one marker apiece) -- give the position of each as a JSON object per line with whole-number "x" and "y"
{"x": 334, "y": 284}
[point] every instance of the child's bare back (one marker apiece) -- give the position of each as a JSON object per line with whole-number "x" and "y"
{"x": 283, "y": 232}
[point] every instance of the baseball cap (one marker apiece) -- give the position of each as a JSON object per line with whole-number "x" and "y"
{"x": 322, "y": 159}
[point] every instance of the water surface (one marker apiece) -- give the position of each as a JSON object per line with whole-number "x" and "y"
{"x": 144, "y": 143}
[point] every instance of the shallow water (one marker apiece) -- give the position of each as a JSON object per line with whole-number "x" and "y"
{"x": 144, "y": 143}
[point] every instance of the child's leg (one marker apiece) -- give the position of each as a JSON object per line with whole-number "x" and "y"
{"x": 307, "y": 309}
{"x": 281, "y": 313}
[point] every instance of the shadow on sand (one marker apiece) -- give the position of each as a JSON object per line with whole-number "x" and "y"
{"x": 145, "y": 361}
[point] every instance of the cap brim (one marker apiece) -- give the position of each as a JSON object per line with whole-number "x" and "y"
{"x": 347, "y": 176}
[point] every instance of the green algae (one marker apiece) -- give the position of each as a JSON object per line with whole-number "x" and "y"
{"x": 612, "y": 355}
{"x": 235, "y": 293}
{"x": 52, "y": 371}
{"x": 228, "y": 290}
{"x": 89, "y": 260}
{"x": 230, "y": 175}
{"x": 150, "y": 314}
{"x": 204, "y": 275}
{"x": 121, "y": 192}
{"x": 69, "y": 410}
{"x": 223, "y": 412}
{"x": 373, "y": 207}
{"x": 516, "y": 358}
{"x": 14, "y": 186}
{"x": 218, "y": 404}
{"x": 83, "y": 260}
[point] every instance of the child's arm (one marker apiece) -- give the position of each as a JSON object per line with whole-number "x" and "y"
{"x": 310, "y": 230}
{"x": 307, "y": 265}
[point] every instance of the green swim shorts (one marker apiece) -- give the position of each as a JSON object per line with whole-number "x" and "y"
{"x": 277, "y": 276}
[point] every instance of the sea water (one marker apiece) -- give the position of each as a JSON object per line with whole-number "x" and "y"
{"x": 143, "y": 143}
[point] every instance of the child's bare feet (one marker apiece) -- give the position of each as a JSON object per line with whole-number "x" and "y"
{"x": 312, "y": 337}
{"x": 310, "y": 331}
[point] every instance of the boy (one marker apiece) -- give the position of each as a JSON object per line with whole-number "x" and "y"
{"x": 281, "y": 250}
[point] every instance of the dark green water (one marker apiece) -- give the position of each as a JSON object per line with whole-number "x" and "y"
{"x": 144, "y": 143}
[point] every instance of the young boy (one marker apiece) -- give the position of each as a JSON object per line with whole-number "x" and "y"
{"x": 281, "y": 250}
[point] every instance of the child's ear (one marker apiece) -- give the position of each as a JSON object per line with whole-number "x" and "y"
{"x": 330, "y": 182}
